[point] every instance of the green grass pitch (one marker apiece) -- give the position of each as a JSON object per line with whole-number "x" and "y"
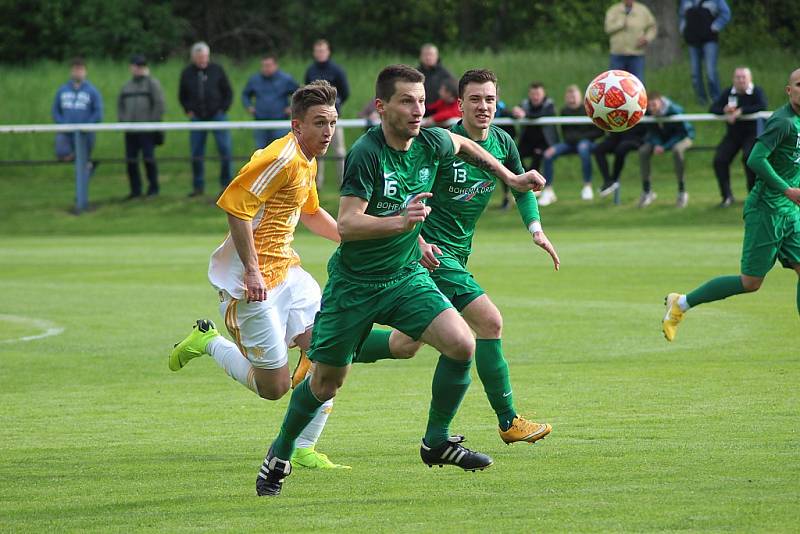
{"x": 700, "y": 434}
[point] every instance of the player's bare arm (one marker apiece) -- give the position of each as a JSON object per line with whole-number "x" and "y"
{"x": 356, "y": 225}
{"x": 322, "y": 224}
{"x": 429, "y": 253}
{"x": 242, "y": 235}
{"x": 472, "y": 153}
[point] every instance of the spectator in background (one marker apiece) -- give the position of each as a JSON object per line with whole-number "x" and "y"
{"x": 324, "y": 68}
{"x": 700, "y": 21}
{"x": 535, "y": 139}
{"x": 504, "y": 111}
{"x": 141, "y": 100}
{"x": 370, "y": 115}
{"x": 576, "y": 139}
{"x": 619, "y": 144}
{"x": 435, "y": 74}
{"x": 76, "y": 102}
{"x": 631, "y": 27}
{"x": 206, "y": 95}
{"x": 661, "y": 137}
{"x": 266, "y": 97}
{"x": 739, "y": 99}
{"x": 446, "y": 107}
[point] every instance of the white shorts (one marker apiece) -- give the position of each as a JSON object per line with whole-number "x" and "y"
{"x": 265, "y": 330}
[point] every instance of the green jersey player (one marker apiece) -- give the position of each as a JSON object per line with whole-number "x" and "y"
{"x": 375, "y": 274}
{"x": 460, "y": 195}
{"x": 771, "y": 214}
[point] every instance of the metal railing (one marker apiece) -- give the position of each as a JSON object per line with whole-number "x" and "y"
{"x": 81, "y": 160}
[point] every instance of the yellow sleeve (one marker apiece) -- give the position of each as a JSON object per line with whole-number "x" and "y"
{"x": 312, "y": 202}
{"x": 263, "y": 175}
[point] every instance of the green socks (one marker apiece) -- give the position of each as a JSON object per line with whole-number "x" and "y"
{"x": 375, "y": 347}
{"x": 493, "y": 372}
{"x": 302, "y": 408}
{"x": 716, "y": 289}
{"x": 450, "y": 383}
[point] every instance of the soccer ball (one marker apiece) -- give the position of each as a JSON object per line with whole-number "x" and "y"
{"x": 615, "y": 101}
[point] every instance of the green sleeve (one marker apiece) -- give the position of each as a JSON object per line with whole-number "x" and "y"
{"x": 760, "y": 165}
{"x": 443, "y": 142}
{"x": 361, "y": 167}
{"x": 527, "y": 206}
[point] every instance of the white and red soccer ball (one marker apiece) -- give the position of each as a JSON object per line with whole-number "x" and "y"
{"x": 615, "y": 101}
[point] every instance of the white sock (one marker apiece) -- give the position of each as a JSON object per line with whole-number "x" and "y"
{"x": 310, "y": 434}
{"x": 231, "y": 359}
{"x": 682, "y": 304}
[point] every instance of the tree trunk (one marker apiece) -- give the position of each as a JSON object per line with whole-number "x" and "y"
{"x": 667, "y": 46}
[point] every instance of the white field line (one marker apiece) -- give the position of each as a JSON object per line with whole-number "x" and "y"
{"x": 47, "y": 328}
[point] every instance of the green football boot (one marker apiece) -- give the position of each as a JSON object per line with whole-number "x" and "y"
{"x": 311, "y": 459}
{"x": 194, "y": 345}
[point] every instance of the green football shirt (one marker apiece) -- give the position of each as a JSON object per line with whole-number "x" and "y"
{"x": 461, "y": 193}
{"x": 387, "y": 179}
{"x": 782, "y": 137}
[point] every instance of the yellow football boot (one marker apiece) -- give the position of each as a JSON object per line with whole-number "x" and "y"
{"x": 300, "y": 372}
{"x": 523, "y": 430}
{"x": 311, "y": 459}
{"x": 673, "y": 316}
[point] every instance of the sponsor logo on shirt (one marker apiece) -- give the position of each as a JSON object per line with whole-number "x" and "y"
{"x": 392, "y": 208}
{"x": 465, "y": 194}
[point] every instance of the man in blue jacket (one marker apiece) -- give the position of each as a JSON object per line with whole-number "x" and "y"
{"x": 700, "y": 22}
{"x": 324, "y": 68}
{"x": 266, "y": 97}
{"x": 661, "y": 137}
{"x": 76, "y": 102}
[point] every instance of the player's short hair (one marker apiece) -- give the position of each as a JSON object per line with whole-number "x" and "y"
{"x": 385, "y": 84}
{"x": 475, "y": 76}
{"x": 316, "y": 93}
{"x": 536, "y": 85}
{"x": 77, "y": 61}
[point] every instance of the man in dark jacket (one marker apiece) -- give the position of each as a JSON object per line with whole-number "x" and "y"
{"x": 77, "y": 101}
{"x": 141, "y": 100}
{"x": 266, "y": 97}
{"x": 741, "y": 98}
{"x": 206, "y": 95}
{"x": 435, "y": 74}
{"x": 324, "y": 68}
{"x": 700, "y": 22}
{"x": 576, "y": 139}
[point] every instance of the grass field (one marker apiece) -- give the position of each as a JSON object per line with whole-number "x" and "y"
{"x": 98, "y": 435}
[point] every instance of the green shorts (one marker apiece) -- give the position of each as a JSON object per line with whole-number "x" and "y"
{"x": 769, "y": 237}
{"x": 349, "y": 308}
{"x": 455, "y": 281}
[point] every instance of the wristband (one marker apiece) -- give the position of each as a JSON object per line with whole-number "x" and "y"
{"x": 534, "y": 227}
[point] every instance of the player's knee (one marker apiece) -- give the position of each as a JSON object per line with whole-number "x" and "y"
{"x": 751, "y": 284}
{"x": 272, "y": 390}
{"x": 490, "y": 327}
{"x": 404, "y": 347}
{"x": 462, "y": 348}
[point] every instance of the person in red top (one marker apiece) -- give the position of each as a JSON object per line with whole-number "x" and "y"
{"x": 446, "y": 108}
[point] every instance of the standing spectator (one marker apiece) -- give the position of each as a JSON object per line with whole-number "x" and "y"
{"x": 619, "y": 144}
{"x": 76, "y": 102}
{"x": 661, "y": 137}
{"x": 576, "y": 139}
{"x": 435, "y": 74}
{"x": 535, "y": 139}
{"x": 206, "y": 95}
{"x": 370, "y": 115}
{"x": 324, "y": 68}
{"x": 141, "y": 100}
{"x": 700, "y": 22}
{"x": 446, "y": 107}
{"x": 266, "y": 97}
{"x": 505, "y": 112}
{"x": 631, "y": 27}
{"x": 739, "y": 99}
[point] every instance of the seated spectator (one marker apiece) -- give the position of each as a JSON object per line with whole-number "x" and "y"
{"x": 443, "y": 110}
{"x": 741, "y": 98}
{"x": 661, "y": 137}
{"x": 576, "y": 139}
{"x": 435, "y": 74}
{"x": 535, "y": 139}
{"x": 619, "y": 144}
{"x": 266, "y": 97}
{"x": 141, "y": 100}
{"x": 76, "y": 102}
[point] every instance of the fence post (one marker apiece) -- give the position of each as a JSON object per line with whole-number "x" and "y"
{"x": 81, "y": 172}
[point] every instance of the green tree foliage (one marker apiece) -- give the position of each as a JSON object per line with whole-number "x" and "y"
{"x": 57, "y": 29}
